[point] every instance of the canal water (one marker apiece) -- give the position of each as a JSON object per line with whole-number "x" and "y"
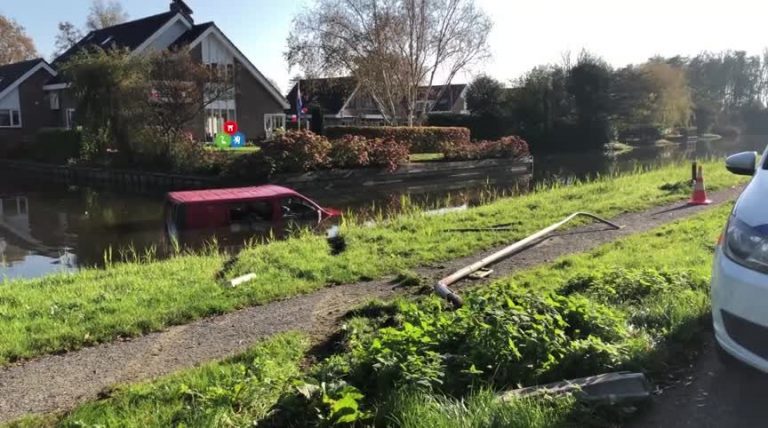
{"x": 47, "y": 227}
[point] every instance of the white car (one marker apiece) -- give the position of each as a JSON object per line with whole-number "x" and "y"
{"x": 740, "y": 272}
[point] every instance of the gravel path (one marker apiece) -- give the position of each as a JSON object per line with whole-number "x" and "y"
{"x": 59, "y": 382}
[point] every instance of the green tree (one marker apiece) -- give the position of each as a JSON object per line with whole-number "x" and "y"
{"x": 589, "y": 83}
{"x": 485, "y": 96}
{"x": 111, "y": 90}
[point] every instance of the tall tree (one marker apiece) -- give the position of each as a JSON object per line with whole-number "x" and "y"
{"x": 104, "y": 15}
{"x": 485, "y": 95}
{"x": 15, "y": 44}
{"x": 397, "y": 49}
{"x": 68, "y": 36}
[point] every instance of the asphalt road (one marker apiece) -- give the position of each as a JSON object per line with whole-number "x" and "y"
{"x": 711, "y": 395}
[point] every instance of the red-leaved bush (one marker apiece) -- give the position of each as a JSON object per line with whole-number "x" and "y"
{"x": 511, "y": 147}
{"x": 387, "y": 153}
{"x": 296, "y": 151}
{"x": 356, "y": 152}
{"x": 350, "y": 152}
{"x": 418, "y": 139}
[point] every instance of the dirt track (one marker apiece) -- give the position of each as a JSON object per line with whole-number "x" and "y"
{"x": 57, "y": 383}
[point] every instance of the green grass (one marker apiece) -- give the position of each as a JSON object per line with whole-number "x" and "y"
{"x": 234, "y": 150}
{"x": 426, "y": 157}
{"x": 630, "y": 319}
{"x": 237, "y": 392}
{"x": 67, "y": 311}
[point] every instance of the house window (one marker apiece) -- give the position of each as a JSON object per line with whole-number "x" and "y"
{"x": 70, "y": 118}
{"x": 55, "y": 104}
{"x": 10, "y": 119}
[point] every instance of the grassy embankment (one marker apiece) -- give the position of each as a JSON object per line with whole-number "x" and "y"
{"x": 68, "y": 311}
{"x": 639, "y": 303}
{"x": 234, "y": 392}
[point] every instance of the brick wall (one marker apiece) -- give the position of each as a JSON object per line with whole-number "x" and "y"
{"x": 253, "y": 101}
{"x": 36, "y": 113}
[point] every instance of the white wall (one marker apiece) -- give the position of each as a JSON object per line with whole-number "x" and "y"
{"x": 215, "y": 52}
{"x": 11, "y": 101}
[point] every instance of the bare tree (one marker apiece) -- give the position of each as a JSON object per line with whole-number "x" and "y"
{"x": 397, "y": 49}
{"x": 15, "y": 45}
{"x": 68, "y": 36}
{"x": 104, "y": 15}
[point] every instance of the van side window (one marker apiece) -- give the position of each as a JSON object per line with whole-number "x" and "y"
{"x": 251, "y": 212}
{"x": 298, "y": 209}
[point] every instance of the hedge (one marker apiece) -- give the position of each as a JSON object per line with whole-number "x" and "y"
{"x": 424, "y": 139}
{"x": 54, "y": 146}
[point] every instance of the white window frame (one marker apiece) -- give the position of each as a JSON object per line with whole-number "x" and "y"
{"x": 55, "y": 101}
{"x": 69, "y": 115}
{"x": 10, "y": 117}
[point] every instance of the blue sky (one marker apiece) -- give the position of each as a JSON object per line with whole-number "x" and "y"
{"x": 526, "y": 32}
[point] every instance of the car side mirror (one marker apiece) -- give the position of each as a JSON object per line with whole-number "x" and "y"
{"x": 744, "y": 163}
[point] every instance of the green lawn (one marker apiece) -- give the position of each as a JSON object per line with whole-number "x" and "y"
{"x": 67, "y": 311}
{"x": 426, "y": 157}
{"x": 639, "y": 303}
{"x": 235, "y": 150}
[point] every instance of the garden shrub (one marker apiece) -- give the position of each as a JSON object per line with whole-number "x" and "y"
{"x": 387, "y": 153}
{"x": 423, "y": 139}
{"x": 296, "y": 151}
{"x": 54, "y": 146}
{"x": 350, "y": 151}
{"x": 511, "y": 147}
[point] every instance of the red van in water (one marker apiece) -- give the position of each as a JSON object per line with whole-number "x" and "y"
{"x": 242, "y": 211}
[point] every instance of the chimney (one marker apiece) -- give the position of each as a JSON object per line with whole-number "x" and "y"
{"x": 181, "y": 7}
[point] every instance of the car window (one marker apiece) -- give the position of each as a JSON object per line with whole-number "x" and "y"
{"x": 249, "y": 213}
{"x": 298, "y": 209}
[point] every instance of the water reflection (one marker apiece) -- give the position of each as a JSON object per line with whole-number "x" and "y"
{"x": 48, "y": 227}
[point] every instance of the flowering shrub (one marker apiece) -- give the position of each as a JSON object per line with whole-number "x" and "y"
{"x": 511, "y": 147}
{"x": 424, "y": 139}
{"x": 297, "y": 151}
{"x": 350, "y": 152}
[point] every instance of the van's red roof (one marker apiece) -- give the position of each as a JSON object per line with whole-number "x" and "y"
{"x": 231, "y": 194}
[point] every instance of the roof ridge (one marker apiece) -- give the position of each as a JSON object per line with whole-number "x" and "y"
{"x": 112, "y": 27}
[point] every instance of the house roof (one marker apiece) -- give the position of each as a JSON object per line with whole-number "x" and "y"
{"x": 129, "y": 35}
{"x": 11, "y": 75}
{"x": 329, "y": 93}
{"x": 192, "y": 35}
{"x": 451, "y": 93}
{"x": 229, "y": 195}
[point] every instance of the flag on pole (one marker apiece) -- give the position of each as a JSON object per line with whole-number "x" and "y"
{"x": 299, "y": 101}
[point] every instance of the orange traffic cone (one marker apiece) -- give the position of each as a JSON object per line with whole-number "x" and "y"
{"x": 699, "y": 196}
